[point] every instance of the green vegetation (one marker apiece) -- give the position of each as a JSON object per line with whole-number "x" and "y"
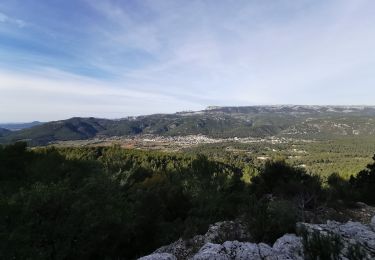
{"x": 344, "y": 156}
{"x": 355, "y": 252}
{"x": 4, "y": 132}
{"x": 18, "y": 126}
{"x": 325, "y": 247}
{"x": 320, "y": 246}
{"x": 113, "y": 203}
{"x": 280, "y": 195}
{"x": 107, "y": 202}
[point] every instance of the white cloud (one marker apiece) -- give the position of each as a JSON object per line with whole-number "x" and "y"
{"x": 59, "y": 95}
{"x": 222, "y": 56}
{"x": 198, "y": 53}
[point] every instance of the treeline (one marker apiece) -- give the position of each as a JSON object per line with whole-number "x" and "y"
{"x": 112, "y": 203}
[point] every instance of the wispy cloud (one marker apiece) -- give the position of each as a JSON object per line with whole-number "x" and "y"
{"x": 50, "y": 95}
{"x": 193, "y": 53}
{"x": 6, "y": 19}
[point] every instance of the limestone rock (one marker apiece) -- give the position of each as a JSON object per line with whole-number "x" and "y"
{"x": 287, "y": 247}
{"x": 229, "y": 250}
{"x": 216, "y": 244}
{"x": 226, "y": 231}
{"x": 351, "y": 234}
{"x": 221, "y": 242}
{"x": 290, "y": 245}
{"x": 373, "y": 223}
{"x": 159, "y": 256}
{"x": 217, "y": 233}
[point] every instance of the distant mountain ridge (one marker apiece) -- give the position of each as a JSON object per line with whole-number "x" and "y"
{"x": 298, "y": 109}
{"x": 295, "y": 121}
{"x": 19, "y": 126}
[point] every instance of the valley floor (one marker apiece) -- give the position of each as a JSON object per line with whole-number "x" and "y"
{"x": 344, "y": 156}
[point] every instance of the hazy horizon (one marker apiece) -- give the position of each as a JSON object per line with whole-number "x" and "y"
{"x": 113, "y": 59}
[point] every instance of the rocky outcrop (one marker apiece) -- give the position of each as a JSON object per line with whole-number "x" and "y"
{"x": 289, "y": 245}
{"x": 286, "y": 247}
{"x": 223, "y": 241}
{"x": 159, "y": 256}
{"x": 352, "y": 236}
{"x": 217, "y": 233}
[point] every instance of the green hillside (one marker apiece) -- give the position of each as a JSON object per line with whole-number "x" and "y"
{"x": 4, "y": 132}
{"x": 71, "y": 129}
{"x": 307, "y": 122}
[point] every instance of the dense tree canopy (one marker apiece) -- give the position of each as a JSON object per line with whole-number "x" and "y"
{"x": 113, "y": 203}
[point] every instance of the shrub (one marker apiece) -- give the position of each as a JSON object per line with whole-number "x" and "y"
{"x": 355, "y": 252}
{"x": 339, "y": 189}
{"x": 321, "y": 246}
{"x": 363, "y": 184}
{"x": 287, "y": 182}
{"x": 268, "y": 220}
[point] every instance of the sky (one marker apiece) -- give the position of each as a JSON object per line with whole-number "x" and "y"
{"x": 113, "y": 59}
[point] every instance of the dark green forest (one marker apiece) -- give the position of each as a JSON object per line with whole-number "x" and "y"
{"x": 113, "y": 203}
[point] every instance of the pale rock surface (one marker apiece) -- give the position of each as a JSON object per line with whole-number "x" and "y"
{"x": 159, "y": 256}
{"x": 221, "y": 243}
{"x": 286, "y": 247}
{"x": 350, "y": 233}
{"x": 217, "y": 233}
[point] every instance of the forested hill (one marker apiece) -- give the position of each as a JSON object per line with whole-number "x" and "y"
{"x": 318, "y": 122}
{"x": 4, "y": 131}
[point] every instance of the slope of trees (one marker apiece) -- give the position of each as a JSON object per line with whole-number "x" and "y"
{"x": 111, "y": 203}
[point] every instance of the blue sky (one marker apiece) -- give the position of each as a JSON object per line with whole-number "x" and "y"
{"x": 114, "y": 58}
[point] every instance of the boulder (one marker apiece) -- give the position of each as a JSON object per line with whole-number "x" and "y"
{"x": 290, "y": 245}
{"x": 227, "y": 230}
